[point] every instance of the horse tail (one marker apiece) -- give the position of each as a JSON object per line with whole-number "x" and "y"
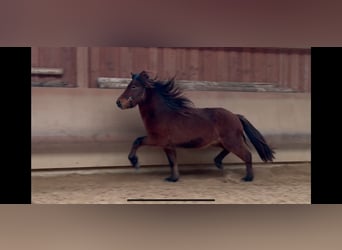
{"x": 258, "y": 141}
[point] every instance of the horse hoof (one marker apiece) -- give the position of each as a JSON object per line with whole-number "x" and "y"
{"x": 171, "y": 179}
{"x": 248, "y": 178}
{"x": 219, "y": 165}
{"x": 134, "y": 161}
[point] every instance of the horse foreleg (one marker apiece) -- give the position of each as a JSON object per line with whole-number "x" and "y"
{"x": 140, "y": 141}
{"x": 171, "y": 156}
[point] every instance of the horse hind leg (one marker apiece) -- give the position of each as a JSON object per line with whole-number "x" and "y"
{"x": 218, "y": 159}
{"x": 245, "y": 155}
{"x": 249, "y": 169}
{"x": 171, "y": 156}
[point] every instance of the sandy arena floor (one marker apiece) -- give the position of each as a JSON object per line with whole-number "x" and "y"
{"x": 275, "y": 183}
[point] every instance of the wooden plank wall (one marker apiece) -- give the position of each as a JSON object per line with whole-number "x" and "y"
{"x": 286, "y": 67}
{"x": 55, "y": 57}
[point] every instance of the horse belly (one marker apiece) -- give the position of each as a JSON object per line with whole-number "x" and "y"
{"x": 197, "y": 139}
{"x": 195, "y": 131}
{"x": 197, "y": 143}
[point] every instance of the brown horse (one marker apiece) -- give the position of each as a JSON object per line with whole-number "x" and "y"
{"x": 172, "y": 121}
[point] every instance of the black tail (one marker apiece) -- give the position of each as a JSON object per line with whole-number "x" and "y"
{"x": 259, "y": 142}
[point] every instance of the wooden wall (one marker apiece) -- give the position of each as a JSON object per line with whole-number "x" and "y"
{"x": 50, "y": 57}
{"x": 283, "y": 66}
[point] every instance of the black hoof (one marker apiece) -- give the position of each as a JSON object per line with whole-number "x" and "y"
{"x": 219, "y": 165}
{"x": 171, "y": 179}
{"x": 134, "y": 161}
{"x": 248, "y": 178}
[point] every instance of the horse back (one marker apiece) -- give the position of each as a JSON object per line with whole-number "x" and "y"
{"x": 222, "y": 116}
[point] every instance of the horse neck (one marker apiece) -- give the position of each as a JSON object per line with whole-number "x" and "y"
{"x": 152, "y": 105}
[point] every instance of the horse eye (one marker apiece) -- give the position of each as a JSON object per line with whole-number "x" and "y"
{"x": 133, "y": 86}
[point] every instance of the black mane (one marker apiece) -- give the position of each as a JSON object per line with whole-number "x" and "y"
{"x": 172, "y": 95}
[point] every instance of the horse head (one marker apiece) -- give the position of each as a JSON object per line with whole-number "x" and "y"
{"x": 135, "y": 91}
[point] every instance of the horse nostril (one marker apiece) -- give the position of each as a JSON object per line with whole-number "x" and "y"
{"x": 118, "y": 103}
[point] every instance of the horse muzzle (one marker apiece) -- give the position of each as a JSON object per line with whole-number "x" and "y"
{"x": 118, "y": 103}
{"x": 125, "y": 103}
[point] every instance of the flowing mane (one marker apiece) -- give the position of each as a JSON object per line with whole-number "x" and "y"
{"x": 172, "y": 95}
